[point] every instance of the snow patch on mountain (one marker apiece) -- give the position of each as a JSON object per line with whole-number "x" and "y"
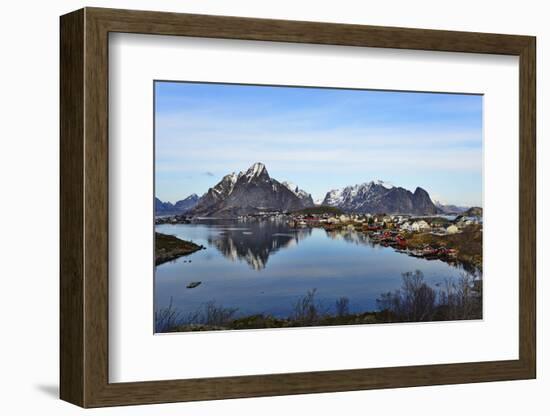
{"x": 380, "y": 196}
{"x": 251, "y": 192}
{"x": 385, "y": 184}
{"x": 255, "y": 171}
{"x": 338, "y": 197}
{"x": 300, "y": 193}
{"x": 450, "y": 208}
{"x": 319, "y": 201}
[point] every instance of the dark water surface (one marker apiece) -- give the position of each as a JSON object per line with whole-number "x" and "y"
{"x": 265, "y": 266}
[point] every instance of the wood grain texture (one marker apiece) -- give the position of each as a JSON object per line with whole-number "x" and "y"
{"x": 527, "y": 207}
{"x": 96, "y": 208}
{"x": 84, "y": 207}
{"x": 71, "y": 219}
{"x": 162, "y": 23}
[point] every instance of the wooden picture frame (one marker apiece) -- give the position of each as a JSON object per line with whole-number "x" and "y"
{"x": 84, "y": 207}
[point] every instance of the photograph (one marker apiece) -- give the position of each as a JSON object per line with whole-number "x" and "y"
{"x": 302, "y": 206}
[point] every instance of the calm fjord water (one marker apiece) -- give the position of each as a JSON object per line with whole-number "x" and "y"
{"x": 265, "y": 267}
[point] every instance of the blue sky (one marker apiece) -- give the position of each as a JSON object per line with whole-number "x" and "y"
{"x": 320, "y": 139}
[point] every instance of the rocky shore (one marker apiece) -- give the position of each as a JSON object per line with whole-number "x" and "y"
{"x": 468, "y": 244}
{"x": 169, "y": 247}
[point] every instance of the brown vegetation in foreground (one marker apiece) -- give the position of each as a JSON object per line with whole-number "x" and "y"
{"x": 414, "y": 301}
{"x": 468, "y": 243}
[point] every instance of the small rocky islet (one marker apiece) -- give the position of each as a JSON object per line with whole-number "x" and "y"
{"x": 169, "y": 247}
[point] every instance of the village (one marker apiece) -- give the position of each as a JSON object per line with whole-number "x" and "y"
{"x": 448, "y": 238}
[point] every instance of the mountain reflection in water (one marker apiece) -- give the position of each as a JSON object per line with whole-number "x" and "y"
{"x": 350, "y": 236}
{"x": 264, "y": 267}
{"x": 256, "y": 241}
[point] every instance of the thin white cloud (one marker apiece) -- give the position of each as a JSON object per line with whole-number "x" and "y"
{"x": 300, "y": 144}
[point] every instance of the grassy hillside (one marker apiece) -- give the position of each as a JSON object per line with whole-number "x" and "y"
{"x": 468, "y": 243}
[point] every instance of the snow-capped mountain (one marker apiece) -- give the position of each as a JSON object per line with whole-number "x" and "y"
{"x": 253, "y": 191}
{"x": 449, "y": 208}
{"x": 218, "y": 193}
{"x": 300, "y": 193}
{"x": 352, "y": 197}
{"x": 378, "y": 197}
{"x": 180, "y": 207}
{"x": 385, "y": 184}
{"x": 186, "y": 204}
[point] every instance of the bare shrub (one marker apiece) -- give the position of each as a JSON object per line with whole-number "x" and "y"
{"x": 211, "y": 314}
{"x": 166, "y": 319}
{"x": 307, "y": 310}
{"x": 460, "y": 299}
{"x": 342, "y": 306}
{"x": 414, "y": 302}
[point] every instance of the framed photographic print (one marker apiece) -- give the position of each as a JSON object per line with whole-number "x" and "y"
{"x": 255, "y": 207}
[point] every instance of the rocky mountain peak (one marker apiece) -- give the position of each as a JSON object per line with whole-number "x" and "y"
{"x": 385, "y": 184}
{"x": 251, "y": 192}
{"x": 257, "y": 170}
{"x": 380, "y": 196}
{"x": 179, "y": 207}
{"x": 300, "y": 193}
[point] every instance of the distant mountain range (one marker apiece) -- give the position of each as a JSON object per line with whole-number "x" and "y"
{"x": 449, "y": 208}
{"x": 180, "y": 207}
{"x": 378, "y": 197}
{"x": 255, "y": 191}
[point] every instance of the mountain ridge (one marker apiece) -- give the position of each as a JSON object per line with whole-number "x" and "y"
{"x": 450, "y": 208}
{"x": 254, "y": 191}
{"x": 378, "y": 197}
{"x": 251, "y": 192}
{"x": 179, "y": 207}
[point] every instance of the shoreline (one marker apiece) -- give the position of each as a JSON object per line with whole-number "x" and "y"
{"x": 169, "y": 247}
{"x": 260, "y": 321}
{"x": 370, "y": 317}
{"x": 463, "y": 248}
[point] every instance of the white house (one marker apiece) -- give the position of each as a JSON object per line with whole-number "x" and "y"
{"x": 452, "y": 229}
{"x": 464, "y": 222}
{"x": 420, "y": 226}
